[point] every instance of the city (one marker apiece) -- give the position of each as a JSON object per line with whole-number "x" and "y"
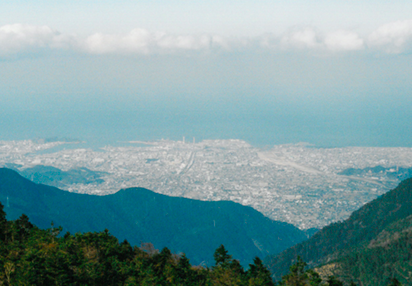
{"x": 295, "y": 183}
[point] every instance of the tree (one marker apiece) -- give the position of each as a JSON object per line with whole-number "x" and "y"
{"x": 183, "y": 270}
{"x": 23, "y": 226}
{"x": 3, "y": 223}
{"x": 184, "y": 274}
{"x": 314, "y": 278}
{"x": 297, "y": 275}
{"x": 227, "y": 271}
{"x": 221, "y": 256}
{"x": 333, "y": 281}
{"x": 258, "y": 274}
{"x": 395, "y": 282}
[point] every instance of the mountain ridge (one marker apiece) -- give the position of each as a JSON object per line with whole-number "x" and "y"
{"x": 350, "y": 236}
{"x": 140, "y": 215}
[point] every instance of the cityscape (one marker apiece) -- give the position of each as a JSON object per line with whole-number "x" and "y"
{"x": 296, "y": 183}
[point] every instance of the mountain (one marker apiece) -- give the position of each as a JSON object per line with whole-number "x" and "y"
{"x": 33, "y": 256}
{"x": 55, "y": 177}
{"x": 375, "y": 241}
{"x": 194, "y": 227}
{"x": 398, "y": 173}
{"x": 387, "y": 256}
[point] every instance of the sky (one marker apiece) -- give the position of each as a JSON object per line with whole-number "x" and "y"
{"x": 331, "y": 73}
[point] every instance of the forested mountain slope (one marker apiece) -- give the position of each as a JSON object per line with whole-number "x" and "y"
{"x": 194, "y": 227}
{"x": 387, "y": 256}
{"x": 357, "y": 234}
{"x": 55, "y": 177}
{"x": 33, "y": 256}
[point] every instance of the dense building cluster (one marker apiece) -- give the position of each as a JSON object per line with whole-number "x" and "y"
{"x": 295, "y": 183}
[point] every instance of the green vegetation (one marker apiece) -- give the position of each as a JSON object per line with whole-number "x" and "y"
{"x": 32, "y": 256}
{"x": 300, "y": 276}
{"x": 389, "y": 255}
{"x": 194, "y": 227}
{"x": 371, "y": 247}
{"x": 55, "y": 177}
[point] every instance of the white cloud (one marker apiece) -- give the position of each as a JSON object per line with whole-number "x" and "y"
{"x": 305, "y": 38}
{"x": 394, "y": 37}
{"x": 137, "y": 41}
{"x": 18, "y": 37}
{"x": 343, "y": 41}
{"x": 141, "y": 41}
{"x": 310, "y": 39}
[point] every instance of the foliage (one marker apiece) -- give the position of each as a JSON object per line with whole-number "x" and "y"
{"x": 395, "y": 282}
{"x": 373, "y": 247}
{"x": 389, "y": 255}
{"x": 32, "y": 256}
{"x": 348, "y": 243}
{"x": 138, "y": 214}
{"x": 299, "y": 276}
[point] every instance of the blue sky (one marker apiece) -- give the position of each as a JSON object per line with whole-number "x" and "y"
{"x": 274, "y": 66}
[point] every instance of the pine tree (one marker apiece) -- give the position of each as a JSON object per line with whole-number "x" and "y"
{"x": 395, "y": 282}
{"x": 333, "y": 281}
{"x": 297, "y": 275}
{"x": 258, "y": 274}
{"x": 3, "y": 223}
{"x": 221, "y": 256}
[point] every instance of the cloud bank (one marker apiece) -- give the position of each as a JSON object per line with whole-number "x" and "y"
{"x": 140, "y": 41}
{"x": 308, "y": 38}
{"x": 392, "y": 38}
{"x": 18, "y": 38}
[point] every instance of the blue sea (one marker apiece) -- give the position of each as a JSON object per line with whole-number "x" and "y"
{"x": 262, "y": 123}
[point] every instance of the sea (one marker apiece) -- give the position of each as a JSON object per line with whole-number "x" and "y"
{"x": 260, "y": 123}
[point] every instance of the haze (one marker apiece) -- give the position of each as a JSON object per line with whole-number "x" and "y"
{"x": 269, "y": 72}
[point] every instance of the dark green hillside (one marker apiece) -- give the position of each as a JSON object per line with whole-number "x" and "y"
{"x": 353, "y": 234}
{"x": 33, "y": 256}
{"x": 387, "y": 256}
{"x": 55, "y": 177}
{"x": 196, "y": 228}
